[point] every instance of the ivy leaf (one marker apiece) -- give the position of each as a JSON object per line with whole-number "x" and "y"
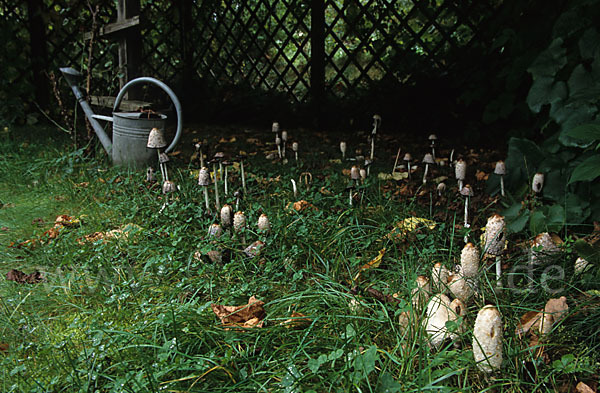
{"x": 585, "y": 133}
{"x": 545, "y": 91}
{"x": 589, "y": 43}
{"x": 588, "y": 252}
{"x": 550, "y": 61}
{"x": 588, "y": 170}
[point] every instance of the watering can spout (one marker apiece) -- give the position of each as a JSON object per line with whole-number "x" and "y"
{"x": 73, "y": 77}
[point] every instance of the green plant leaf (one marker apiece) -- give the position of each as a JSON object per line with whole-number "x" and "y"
{"x": 589, "y": 43}
{"x": 546, "y": 91}
{"x": 537, "y": 222}
{"x": 549, "y": 61}
{"x": 588, "y": 170}
{"x": 586, "y": 133}
{"x": 518, "y": 224}
{"x": 556, "y": 218}
{"x": 588, "y": 252}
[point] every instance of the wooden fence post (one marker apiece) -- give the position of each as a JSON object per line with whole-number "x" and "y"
{"x": 130, "y": 47}
{"x": 39, "y": 53}
{"x": 317, "y": 58}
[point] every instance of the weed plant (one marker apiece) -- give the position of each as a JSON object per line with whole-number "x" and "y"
{"x": 134, "y": 314}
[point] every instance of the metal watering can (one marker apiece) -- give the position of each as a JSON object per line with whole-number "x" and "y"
{"x": 130, "y": 129}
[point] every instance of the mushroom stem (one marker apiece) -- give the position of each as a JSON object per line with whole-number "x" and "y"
{"x": 296, "y": 154}
{"x": 294, "y": 188}
{"x": 350, "y": 196}
{"x": 279, "y": 150}
{"x": 237, "y": 203}
{"x": 466, "y": 212}
{"x": 372, "y": 146}
{"x": 162, "y": 172}
{"x": 283, "y": 150}
{"x": 498, "y": 270}
{"x": 502, "y": 185}
{"x": 460, "y": 184}
{"x": 425, "y": 173}
{"x": 201, "y": 158}
{"x": 217, "y": 203}
{"x": 243, "y": 176}
{"x": 225, "y": 178}
{"x": 206, "y": 199}
{"x": 451, "y": 157}
{"x": 433, "y": 150}
{"x": 408, "y": 165}
{"x": 396, "y": 161}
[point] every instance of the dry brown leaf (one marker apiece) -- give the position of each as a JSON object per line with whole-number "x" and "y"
{"x": 246, "y": 316}
{"x": 542, "y": 321}
{"x": 481, "y": 175}
{"x": 300, "y": 206}
{"x": 297, "y": 320}
{"x": 22, "y": 278}
{"x": 583, "y": 388}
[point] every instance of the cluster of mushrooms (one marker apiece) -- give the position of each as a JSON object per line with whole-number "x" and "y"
{"x": 441, "y": 298}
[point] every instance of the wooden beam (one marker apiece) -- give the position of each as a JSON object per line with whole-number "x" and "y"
{"x": 126, "y": 105}
{"x": 115, "y": 27}
{"x": 317, "y": 60}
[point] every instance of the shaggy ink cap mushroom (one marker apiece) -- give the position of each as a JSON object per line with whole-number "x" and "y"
{"x": 263, "y": 223}
{"x": 275, "y": 127}
{"x": 428, "y": 159}
{"x": 156, "y": 139}
{"x": 204, "y": 177}
{"x": 466, "y": 191}
{"x": 500, "y": 168}
{"x": 354, "y": 173}
{"x": 538, "y": 182}
{"x": 168, "y": 187}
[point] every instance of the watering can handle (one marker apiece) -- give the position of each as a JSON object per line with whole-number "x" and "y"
{"x": 167, "y": 90}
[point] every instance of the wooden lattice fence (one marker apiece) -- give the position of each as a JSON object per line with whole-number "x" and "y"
{"x": 304, "y": 49}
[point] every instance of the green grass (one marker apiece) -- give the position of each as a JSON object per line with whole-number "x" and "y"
{"x": 134, "y": 314}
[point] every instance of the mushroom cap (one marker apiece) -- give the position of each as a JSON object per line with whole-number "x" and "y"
{"x": 284, "y": 136}
{"x": 438, "y": 313}
{"x": 407, "y": 157}
{"x": 420, "y": 294}
{"x": 469, "y": 261}
{"x": 295, "y": 146}
{"x": 263, "y": 223}
{"x": 487, "y": 339}
{"x": 363, "y": 173}
{"x": 156, "y": 139}
{"x": 500, "y": 168}
{"x": 204, "y": 177}
{"x": 238, "y": 194}
{"x": 239, "y": 221}
{"x": 547, "y": 251}
{"x": 432, "y": 137}
{"x": 163, "y": 158}
{"x": 219, "y": 155}
{"x": 494, "y": 235}
{"x": 428, "y": 159}
{"x": 226, "y": 215}
{"x": 150, "y": 174}
{"x": 275, "y": 127}
{"x": 460, "y": 287}
{"x": 168, "y": 187}
{"x": 343, "y": 146}
{"x": 467, "y": 191}
{"x": 354, "y": 173}
{"x": 538, "y": 182}
{"x": 441, "y": 187}
{"x": 198, "y": 145}
{"x": 460, "y": 169}
{"x": 439, "y": 277}
{"x": 215, "y": 230}
{"x": 376, "y": 117}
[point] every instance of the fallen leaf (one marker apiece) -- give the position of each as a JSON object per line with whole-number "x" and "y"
{"x": 300, "y": 206}
{"x": 372, "y": 264}
{"x": 246, "y": 316}
{"x": 583, "y": 388}
{"x": 410, "y": 224}
{"x": 297, "y": 320}
{"x": 325, "y": 191}
{"x": 22, "y": 278}
{"x": 541, "y": 322}
{"x": 481, "y": 175}
{"x": 393, "y": 176}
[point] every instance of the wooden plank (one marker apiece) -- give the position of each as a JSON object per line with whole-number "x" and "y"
{"x": 126, "y": 105}
{"x": 116, "y": 27}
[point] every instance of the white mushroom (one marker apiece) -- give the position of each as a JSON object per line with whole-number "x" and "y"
{"x": 163, "y": 158}
{"x": 278, "y": 143}
{"x": 150, "y": 177}
{"x": 156, "y": 140}
{"x": 469, "y": 261}
{"x": 487, "y": 339}
{"x": 432, "y": 138}
{"x": 275, "y": 127}
{"x": 239, "y": 223}
{"x": 460, "y": 287}
{"x": 168, "y": 187}
{"x": 204, "y": 181}
{"x": 407, "y": 159}
{"x": 495, "y": 242}
{"x": 284, "y": 138}
{"x": 438, "y": 313}
{"x": 439, "y": 278}
{"x": 420, "y": 294}
{"x": 500, "y": 170}
{"x": 467, "y": 192}
{"x": 294, "y": 188}
{"x": 355, "y": 174}
{"x": 343, "y": 148}
{"x": 441, "y": 188}
{"x": 581, "y": 265}
{"x": 538, "y": 182}
{"x": 542, "y": 249}
{"x": 363, "y": 174}
{"x": 263, "y": 223}
{"x": 376, "y": 125}
{"x": 295, "y": 149}
{"x": 198, "y": 147}
{"x": 460, "y": 171}
{"x": 458, "y": 310}
{"x": 427, "y": 160}
{"x": 226, "y": 216}
{"x": 215, "y": 230}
